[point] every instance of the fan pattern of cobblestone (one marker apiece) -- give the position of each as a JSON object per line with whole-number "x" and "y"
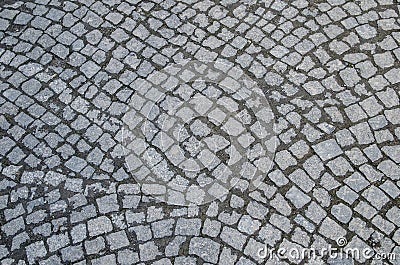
{"x": 329, "y": 69}
{"x": 194, "y": 129}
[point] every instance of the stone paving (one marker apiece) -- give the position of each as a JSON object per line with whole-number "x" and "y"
{"x": 198, "y": 131}
{"x": 72, "y": 70}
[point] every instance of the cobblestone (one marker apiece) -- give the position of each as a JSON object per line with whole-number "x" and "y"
{"x": 71, "y": 71}
{"x": 205, "y": 248}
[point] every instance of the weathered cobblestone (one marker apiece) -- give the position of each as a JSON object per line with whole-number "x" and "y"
{"x": 71, "y": 70}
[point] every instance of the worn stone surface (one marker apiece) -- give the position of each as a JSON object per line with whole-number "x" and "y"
{"x": 69, "y": 70}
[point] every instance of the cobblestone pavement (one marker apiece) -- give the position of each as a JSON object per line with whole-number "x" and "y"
{"x": 70, "y": 70}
